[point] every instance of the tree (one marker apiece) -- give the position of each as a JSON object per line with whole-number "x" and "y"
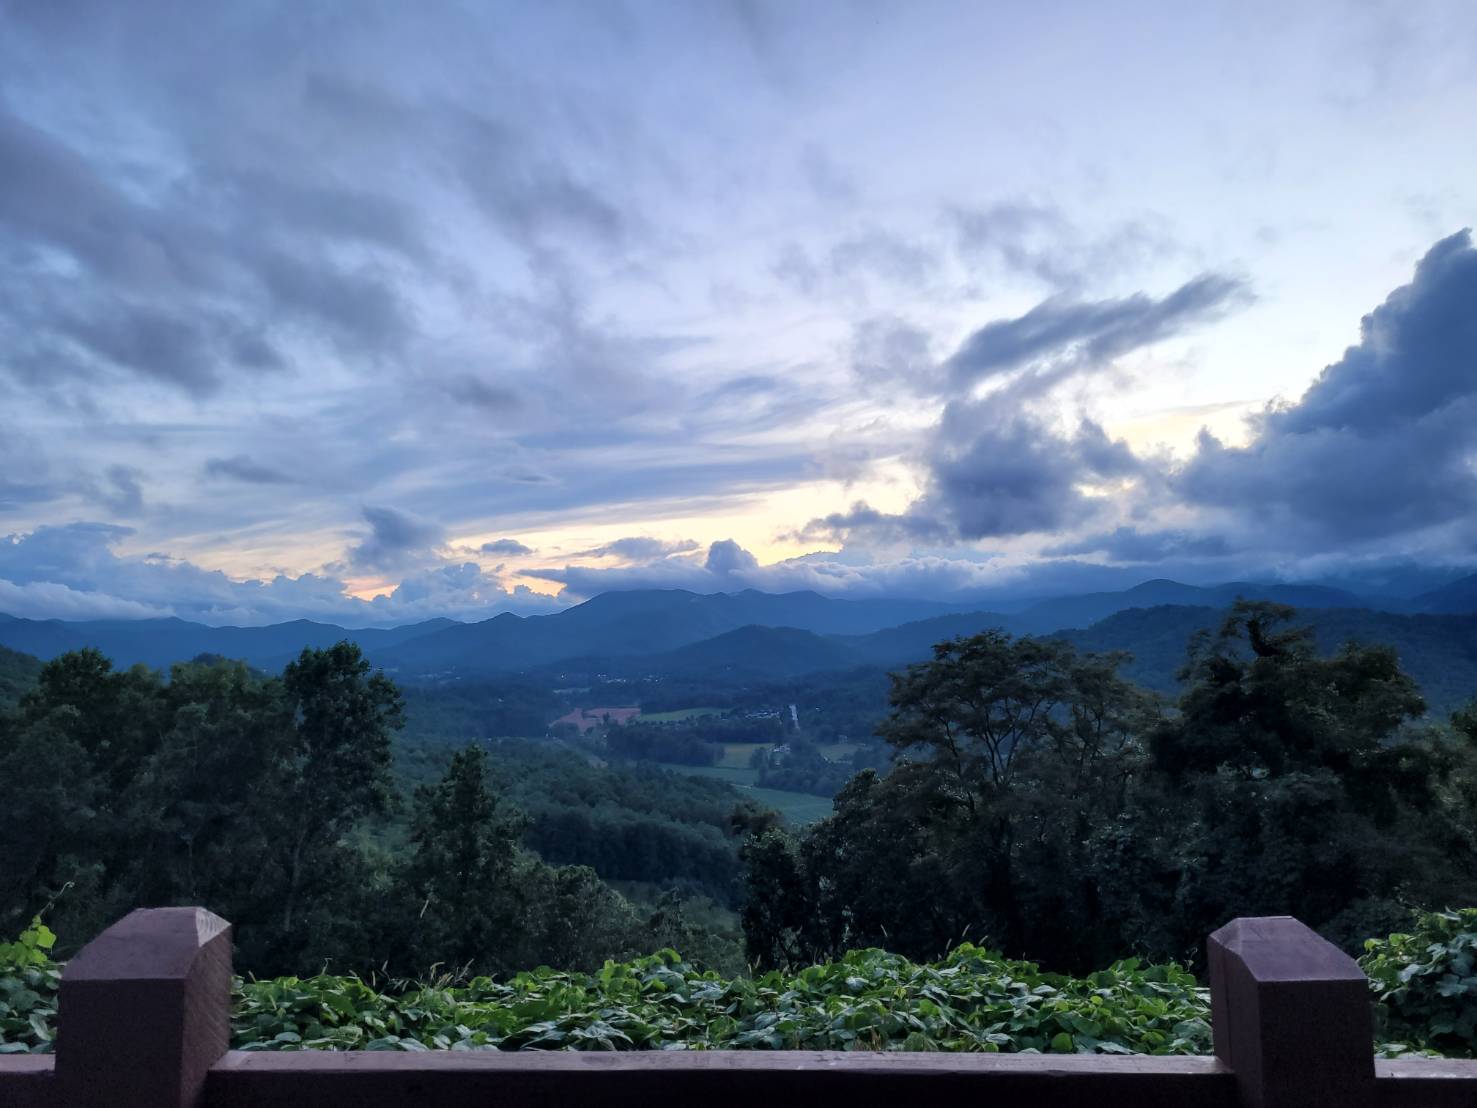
{"x": 1009, "y": 752}
{"x": 335, "y": 769}
{"x": 778, "y": 910}
{"x": 463, "y": 854}
{"x": 1296, "y": 783}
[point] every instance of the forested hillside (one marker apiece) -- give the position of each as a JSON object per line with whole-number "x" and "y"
{"x": 1030, "y": 797}
{"x": 18, "y": 672}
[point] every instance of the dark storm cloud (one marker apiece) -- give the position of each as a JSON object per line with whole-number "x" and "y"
{"x": 170, "y": 287}
{"x": 994, "y": 474}
{"x": 1089, "y": 332}
{"x": 242, "y": 468}
{"x": 1384, "y": 442}
{"x": 995, "y": 467}
{"x": 396, "y": 539}
{"x": 864, "y": 521}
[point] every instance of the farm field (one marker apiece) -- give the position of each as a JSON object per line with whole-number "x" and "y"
{"x": 797, "y": 808}
{"x": 741, "y": 777}
{"x": 679, "y": 715}
{"x": 737, "y": 755}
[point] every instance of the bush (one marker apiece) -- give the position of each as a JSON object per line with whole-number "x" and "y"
{"x": 870, "y": 1000}
{"x": 29, "y": 980}
{"x": 1426, "y": 983}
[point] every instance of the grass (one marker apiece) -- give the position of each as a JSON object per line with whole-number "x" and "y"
{"x": 798, "y": 809}
{"x": 679, "y": 715}
{"x": 737, "y": 755}
{"x": 739, "y": 778}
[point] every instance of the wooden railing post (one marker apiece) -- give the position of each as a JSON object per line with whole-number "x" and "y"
{"x": 1291, "y": 1016}
{"x": 145, "y": 1011}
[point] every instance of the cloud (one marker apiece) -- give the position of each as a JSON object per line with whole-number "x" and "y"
{"x": 639, "y": 548}
{"x": 889, "y": 350}
{"x": 461, "y": 590}
{"x": 396, "y": 539}
{"x": 1027, "y": 238}
{"x": 48, "y": 600}
{"x": 1065, "y": 333}
{"x": 727, "y": 558}
{"x": 242, "y": 468}
{"x": 1382, "y": 444}
{"x": 980, "y": 581}
{"x": 76, "y": 572}
{"x": 120, "y": 491}
{"x": 996, "y": 465}
{"x": 1131, "y": 545}
{"x": 505, "y": 548}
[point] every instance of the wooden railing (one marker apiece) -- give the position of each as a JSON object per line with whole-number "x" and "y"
{"x": 145, "y": 1008}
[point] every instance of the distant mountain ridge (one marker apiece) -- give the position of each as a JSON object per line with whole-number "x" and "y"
{"x": 1085, "y": 610}
{"x": 761, "y": 636}
{"x": 161, "y": 642}
{"x": 1459, "y": 596}
{"x": 671, "y": 629}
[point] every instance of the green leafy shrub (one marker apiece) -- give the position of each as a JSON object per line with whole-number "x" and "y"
{"x": 1426, "y": 984}
{"x": 29, "y": 980}
{"x": 869, "y": 1000}
{"x": 973, "y": 1000}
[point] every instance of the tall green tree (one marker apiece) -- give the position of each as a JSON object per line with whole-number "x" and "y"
{"x": 335, "y": 769}
{"x": 1009, "y": 752}
{"x": 1298, "y": 784}
{"x": 461, "y": 870}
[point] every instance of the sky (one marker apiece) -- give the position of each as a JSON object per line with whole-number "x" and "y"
{"x": 375, "y": 312}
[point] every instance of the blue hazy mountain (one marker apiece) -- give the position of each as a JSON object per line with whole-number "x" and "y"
{"x": 754, "y": 635}
{"x": 160, "y": 642}
{"x": 1090, "y": 608}
{"x": 1457, "y": 597}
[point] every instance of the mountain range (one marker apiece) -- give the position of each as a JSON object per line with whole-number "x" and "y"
{"x": 754, "y": 635}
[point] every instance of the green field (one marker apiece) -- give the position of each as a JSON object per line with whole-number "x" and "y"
{"x": 737, "y": 755}
{"x": 840, "y": 750}
{"x": 679, "y": 715}
{"x": 734, "y": 775}
{"x": 797, "y": 808}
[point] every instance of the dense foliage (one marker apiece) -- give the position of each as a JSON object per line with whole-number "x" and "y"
{"x": 1426, "y": 981}
{"x": 1034, "y": 801}
{"x": 869, "y": 1000}
{"x": 29, "y": 983}
{"x": 18, "y": 672}
{"x": 272, "y": 801}
{"x": 973, "y": 1000}
{"x": 1043, "y": 804}
{"x": 455, "y": 714}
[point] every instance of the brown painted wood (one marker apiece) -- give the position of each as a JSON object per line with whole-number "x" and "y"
{"x": 144, "y": 1011}
{"x": 713, "y": 1079}
{"x": 1426, "y": 1083}
{"x": 1291, "y": 1016}
{"x": 26, "y": 1081}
